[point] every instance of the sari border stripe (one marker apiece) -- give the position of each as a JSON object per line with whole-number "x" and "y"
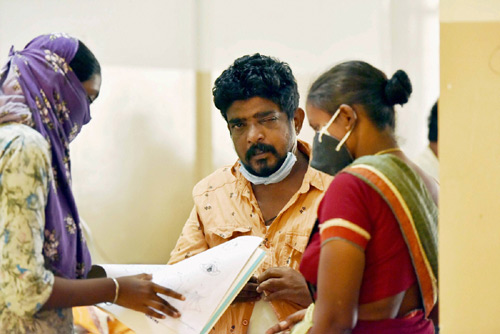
{"x": 343, "y": 231}
{"x": 344, "y": 223}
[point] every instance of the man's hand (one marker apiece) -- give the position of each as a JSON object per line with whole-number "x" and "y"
{"x": 284, "y": 283}
{"x": 249, "y": 292}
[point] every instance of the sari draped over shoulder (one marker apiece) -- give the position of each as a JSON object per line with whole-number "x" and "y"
{"x": 417, "y": 214}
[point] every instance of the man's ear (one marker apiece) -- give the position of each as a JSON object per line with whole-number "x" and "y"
{"x": 298, "y": 119}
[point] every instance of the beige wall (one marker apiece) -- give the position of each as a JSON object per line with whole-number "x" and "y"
{"x": 134, "y": 165}
{"x": 469, "y": 148}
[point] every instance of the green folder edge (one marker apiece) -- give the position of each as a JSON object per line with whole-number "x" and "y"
{"x": 231, "y": 297}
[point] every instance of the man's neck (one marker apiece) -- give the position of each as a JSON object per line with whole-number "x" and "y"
{"x": 273, "y": 197}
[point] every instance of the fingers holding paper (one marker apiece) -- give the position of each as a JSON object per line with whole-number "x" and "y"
{"x": 284, "y": 283}
{"x": 249, "y": 292}
{"x": 139, "y": 293}
{"x": 167, "y": 292}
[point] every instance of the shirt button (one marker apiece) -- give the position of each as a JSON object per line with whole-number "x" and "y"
{"x": 245, "y": 322}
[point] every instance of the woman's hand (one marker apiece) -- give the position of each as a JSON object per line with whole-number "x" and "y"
{"x": 288, "y": 323}
{"x": 139, "y": 293}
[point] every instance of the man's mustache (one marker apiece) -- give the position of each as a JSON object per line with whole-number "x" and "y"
{"x": 258, "y": 149}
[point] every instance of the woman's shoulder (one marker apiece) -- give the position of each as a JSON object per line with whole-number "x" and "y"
{"x": 346, "y": 182}
{"x": 20, "y": 136}
{"x": 348, "y": 192}
{"x": 22, "y": 140}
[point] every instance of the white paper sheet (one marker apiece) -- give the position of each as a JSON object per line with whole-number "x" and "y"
{"x": 210, "y": 281}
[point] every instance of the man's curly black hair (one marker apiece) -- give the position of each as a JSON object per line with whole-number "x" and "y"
{"x": 257, "y": 76}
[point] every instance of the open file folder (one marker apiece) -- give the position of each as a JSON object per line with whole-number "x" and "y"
{"x": 210, "y": 281}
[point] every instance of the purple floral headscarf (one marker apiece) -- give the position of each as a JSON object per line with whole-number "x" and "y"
{"x": 39, "y": 89}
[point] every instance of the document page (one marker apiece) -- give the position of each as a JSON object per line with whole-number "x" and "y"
{"x": 210, "y": 281}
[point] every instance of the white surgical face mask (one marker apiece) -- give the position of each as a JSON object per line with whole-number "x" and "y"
{"x": 276, "y": 177}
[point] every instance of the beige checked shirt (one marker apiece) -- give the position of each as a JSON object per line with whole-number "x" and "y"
{"x": 225, "y": 207}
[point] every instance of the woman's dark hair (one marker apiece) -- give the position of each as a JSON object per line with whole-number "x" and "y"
{"x": 357, "y": 82}
{"x": 433, "y": 123}
{"x": 257, "y": 75}
{"x": 84, "y": 63}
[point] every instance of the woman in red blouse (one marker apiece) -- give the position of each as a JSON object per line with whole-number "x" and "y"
{"x": 373, "y": 258}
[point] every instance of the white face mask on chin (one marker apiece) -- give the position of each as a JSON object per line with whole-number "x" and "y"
{"x": 275, "y": 177}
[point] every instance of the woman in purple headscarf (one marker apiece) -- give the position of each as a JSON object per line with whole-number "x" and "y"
{"x": 45, "y": 93}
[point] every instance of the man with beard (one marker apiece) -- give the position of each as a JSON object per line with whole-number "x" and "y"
{"x": 270, "y": 192}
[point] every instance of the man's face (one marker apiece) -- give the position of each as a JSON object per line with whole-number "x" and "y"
{"x": 262, "y": 134}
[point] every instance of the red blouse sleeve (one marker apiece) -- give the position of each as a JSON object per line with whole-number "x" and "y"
{"x": 344, "y": 212}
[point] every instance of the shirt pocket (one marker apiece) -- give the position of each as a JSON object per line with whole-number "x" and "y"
{"x": 294, "y": 247}
{"x": 220, "y": 234}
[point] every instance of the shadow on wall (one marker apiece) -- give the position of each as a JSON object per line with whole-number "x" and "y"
{"x": 133, "y": 166}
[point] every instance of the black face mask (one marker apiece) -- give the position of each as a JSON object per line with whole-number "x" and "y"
{"x": 326, "y": 158}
